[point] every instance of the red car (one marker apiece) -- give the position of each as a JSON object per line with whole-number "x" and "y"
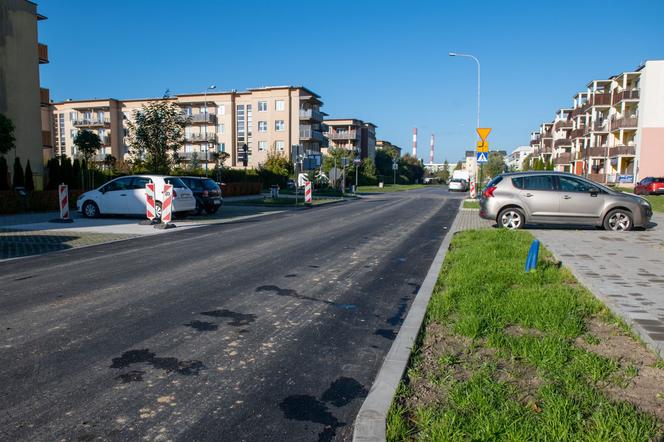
{"x": 650, "y": 186}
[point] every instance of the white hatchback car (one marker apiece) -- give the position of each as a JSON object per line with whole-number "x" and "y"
{"x": 126, "y": 196}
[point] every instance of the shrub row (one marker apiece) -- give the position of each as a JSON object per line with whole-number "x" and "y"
{"x": 38, "y": 201}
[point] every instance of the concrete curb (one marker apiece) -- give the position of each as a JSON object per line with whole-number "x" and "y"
{"x": 371, "y": 421}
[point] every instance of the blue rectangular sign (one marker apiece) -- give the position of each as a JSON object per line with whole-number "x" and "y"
{"x": 482, "y": 157}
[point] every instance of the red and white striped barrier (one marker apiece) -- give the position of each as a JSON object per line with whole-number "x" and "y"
{"x": 473, "y": 189}
{"x": 63, "y": 196}
{"x": 307, "y": 192}
{"x": 167, "y": 204}
{"x": 150, "y": 208}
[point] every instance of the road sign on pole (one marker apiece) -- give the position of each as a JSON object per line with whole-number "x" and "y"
{"x": 482, "y": 157}
{"x": 483, "y": 132}
{"x": 482, "y": 146}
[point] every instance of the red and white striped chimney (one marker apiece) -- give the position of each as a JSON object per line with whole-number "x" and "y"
{"x": 415, "y": 142}
{"x": 431, "y": 151}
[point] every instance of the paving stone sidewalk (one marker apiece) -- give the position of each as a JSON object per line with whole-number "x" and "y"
{"x": 624, "y": 270}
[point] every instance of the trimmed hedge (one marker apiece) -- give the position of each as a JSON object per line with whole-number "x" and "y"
{"x": 38, "y": 201}
{"x": 242, "y": 188}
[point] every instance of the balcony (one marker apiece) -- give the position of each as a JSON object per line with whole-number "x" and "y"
{"x": 563, "y": 124}
{"x": 577, "y": 133}
{"x": 624, "y": 123}
{"x": 42, "y": 49}
{"x": 95, "y": 122}
{"x": 563, "y": 158}
{"x": 600, "y": 126}
{"x": 311, "y": 114}
{"x": 562, "y": 142}
{"x": 577, "y": 111}
{"x": 44, "y": 96}
{"x": 342, "y": 135}
{"x": 621, "y": 150}
{"x": 46, "y": 138}
{"x": 627, "y": 94}
{"x": 597, "y": 177}
{"x": 603, "y": 99}
{"x": 201, "y": 138}
{"x": 203, "y": 118}
{"x": 191, "y": 155}
{"x": 307, "y": 133}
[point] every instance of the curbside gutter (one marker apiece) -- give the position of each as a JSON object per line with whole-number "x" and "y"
{"x": 371, "y": 421}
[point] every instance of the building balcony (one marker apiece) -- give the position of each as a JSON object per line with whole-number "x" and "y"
{"x": 577, "y": 111}
{"x": 46, "y": 138}
{"x": 95, "y": 122}
{"x": 618, "y": 151}
{"x": 201, "y": 138}
{"x": 101, "y": 157}
{"x": 562, "y": 142}
{"x": 44, "y": 96}
{"x": 203, "y": 118}
{"x": 307, "y": 133}
{"x": 342, "y": 135}
{"x": 563, "y": 158}
{"x": 603, "y": 99}
{"x": 577, "y": 133}
{"x": 546, "y": 150}
{"x": 597, "y": 177}
{"x": 42, "y": 49}
{"x": 200, "y": 156}
{"x": 311, "y": 114}
{"x": 627, "y": 94}
{"x": 563, "y": 124}
{"x": 600, "y": 126}
{"x": 624, "y": 123}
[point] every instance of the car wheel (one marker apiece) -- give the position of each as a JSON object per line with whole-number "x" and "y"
{"x": 90, "y": 210}
{"x": 211, "y": 210}
{"x": 618, "y": 220}
{"x": 511, "y": 218}
{"x": 157, "y": 211}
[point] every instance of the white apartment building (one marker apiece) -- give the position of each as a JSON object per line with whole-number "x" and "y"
{"x": 517, "y": 157}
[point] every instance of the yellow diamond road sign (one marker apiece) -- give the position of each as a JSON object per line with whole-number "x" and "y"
{"x": 482, "y": 146}
{"x": 483, "y": 132}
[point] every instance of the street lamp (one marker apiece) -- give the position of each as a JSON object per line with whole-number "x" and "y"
{"x": 207, "y": 146}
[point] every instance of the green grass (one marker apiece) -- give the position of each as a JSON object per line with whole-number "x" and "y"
{"x": 471, "y": 204}
{"x": 657, "y": 201}
{"x": 483, "y": 389}
{"x": 391, "y": 188}
{"x": 279, "y": 202}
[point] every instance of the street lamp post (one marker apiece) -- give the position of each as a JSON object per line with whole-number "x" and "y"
{"x": 207, "y": 147}
{"x": 456, "y": 54}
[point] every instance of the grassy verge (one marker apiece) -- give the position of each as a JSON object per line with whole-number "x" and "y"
{"x": 471, "y": 204}
{"x": 657, "y": 201}
{"x": 506, "y": 355}
{"x": 279, "y": 202}
{"x": 391, "y": 188}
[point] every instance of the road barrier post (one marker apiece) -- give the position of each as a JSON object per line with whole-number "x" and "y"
{"x": 166, "y": 208}
{"x": 308, "y": 193}
{"x": 63, "y": 204}
{"x": 150, "y": 205}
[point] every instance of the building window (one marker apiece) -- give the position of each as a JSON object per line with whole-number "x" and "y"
{"x": 187, "y": 111}
{"x": 72, "y": 116}
{"x": 262, "y": 106}
{"x": 279, "y": 105}
{"x": 262, "y": 126}
{"x": 221, "y": 147}
{"x": 279, "y": 125}
{"x": 220, "y": 128}
{"x": 262, "y": 145}
{"x": 221, "y": 110}
{"x": 279, "y": 145}
{"x": 188, "y": 147}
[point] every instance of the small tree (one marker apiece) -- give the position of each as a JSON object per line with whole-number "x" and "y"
{"x": 4, "y": 172}
{"x": 459, "y": 166}
{"x": 18, "y": 179}
{"x": 6, "y": 134}
{"x": 29, "y": 182}
{"x": 526, "y": 163}
{"x": 88, "y": 143}
{"x": 194, "y": 163}
{"x": 109, "y": 162}
{"x": 275, "y": 169}
{"x": 66, "y": 171}
{"x": 53, "y": 166}
{"x": 444, "y": 175}
{"x": 495, "y": 164}
{"x": 155, "y": 134}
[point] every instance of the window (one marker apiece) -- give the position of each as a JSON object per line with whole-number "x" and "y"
{"x": 188, "y": 147}
{"x": 72, "y": 116}
{"x": 140, "y": 182}
{"x": 221, "y": 110}
{"x": 187, "y": 111}
{"x": 220, "y": 128}
{"x": 262, "y": 106}
{"x": 262, "y": 126}
{"x": 262, "y": 145}
{"x": 279, "y": 145}
{"x": 279, "y": 125}
{"x": 279, "y": 105}
{"x": 567, "y": 184}
{"x": 538, "y": 182}
{"x": 119, "y": 184}
{"x": 175, "y": 182}
{"x": 221, "y": 147}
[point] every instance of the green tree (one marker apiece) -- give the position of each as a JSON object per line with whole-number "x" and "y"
{"x": 194, "y": 163}
{"x": 53, "y": 167}
{"x": 88, "y": 143}
{"x": 18, "y": 179}
{"x": 4, "y": 173}
{"x": 368, "y": 168}
{"x": 495, "y": 164}
{"x": 275, "y": 170}
{"x": 526, "y": 163}
{"x": 66, "y": 171}
{"x": 459, "y": 166}
{"x": 411, "y": 167}
{"x": 444, "y": 175}
{"x": 384, "y": 160}
{"x": 6, "y": 134}
{"x": 29, "y": 182}
{"x": 155, "y": 134}
{"x": 76, "y": 174}
{"x": 109, "y": 162}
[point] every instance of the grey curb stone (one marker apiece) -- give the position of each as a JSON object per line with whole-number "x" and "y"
{"x": 370, "y": 423}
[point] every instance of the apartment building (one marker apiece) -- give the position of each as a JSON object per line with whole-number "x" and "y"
{"x": 518, "y": 156}
{"x": 280, "y": 118}
{"x": 353, "y": 135}
{"x": 21, "y": 97}
{"x": 614, "y": 131}
{"x": 384, "y": 144}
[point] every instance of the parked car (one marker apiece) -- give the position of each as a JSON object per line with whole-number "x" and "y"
{"x": 650, "y": 186}
{"x": 516, "y": 199}
{"x": 207, "y": 193}
{"x": 126, "y": 196}
{"x": 458, "y": 184}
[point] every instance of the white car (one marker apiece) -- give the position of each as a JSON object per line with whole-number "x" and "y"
{"x": 458, "y": 184}
{"x": 126, "y": 196}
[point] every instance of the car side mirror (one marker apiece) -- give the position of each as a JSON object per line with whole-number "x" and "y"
{"x": 593, "y": 190}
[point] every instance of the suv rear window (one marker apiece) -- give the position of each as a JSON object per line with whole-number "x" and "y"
{"x": 175, "y": 182}
{"x": 494, "y": 181}
{"x": 210, "y": 185}
{"x": 518, "y": 182}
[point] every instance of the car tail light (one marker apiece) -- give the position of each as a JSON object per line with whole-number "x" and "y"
{"x": 205, "y": 194}
{"x": 488, "y": 192}
{"x": 175, "y": 194}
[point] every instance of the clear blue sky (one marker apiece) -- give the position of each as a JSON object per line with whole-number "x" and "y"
{"x": 381, "y": 61}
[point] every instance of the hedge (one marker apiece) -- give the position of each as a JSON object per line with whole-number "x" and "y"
{"x": 38, "y": 201}
{"x": 242, "y": 188}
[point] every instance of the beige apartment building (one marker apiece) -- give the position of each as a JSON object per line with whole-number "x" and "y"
{"x": 353, "y": 135}
{"x": 614, "y": 131}
{"x": 21, "y": 97}
{"x": 283, "y": 119}
{"x": 384, "y": 144}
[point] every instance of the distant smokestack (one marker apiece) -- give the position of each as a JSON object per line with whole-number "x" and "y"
{"x": 431, "y": 151}
{"x": 415, "y": 142}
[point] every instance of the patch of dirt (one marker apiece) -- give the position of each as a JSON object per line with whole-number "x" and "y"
{"x": 519, "y": 331}
{"x": 646, "y": 389}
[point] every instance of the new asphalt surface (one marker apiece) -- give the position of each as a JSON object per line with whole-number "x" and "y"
{"x": 263, "y": 329}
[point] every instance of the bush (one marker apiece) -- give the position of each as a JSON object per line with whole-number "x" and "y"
{"x": 242, "y": 188}
{"x": 39, "y": 201}
{"x": 4, "y": 174}
{"x": 17, "y": 178}
{"x": 238, "y": 175}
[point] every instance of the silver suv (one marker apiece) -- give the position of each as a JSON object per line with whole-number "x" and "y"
{"x": 515, "y": 199}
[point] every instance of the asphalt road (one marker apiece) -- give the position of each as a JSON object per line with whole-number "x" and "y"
{"x": 266, "y": 329}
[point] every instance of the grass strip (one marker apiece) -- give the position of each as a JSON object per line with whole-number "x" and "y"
{"x": 471, "y": 204}
{"x": 391, "y": 188}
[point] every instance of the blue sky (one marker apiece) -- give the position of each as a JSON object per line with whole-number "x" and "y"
{"x": 381, "y": 61}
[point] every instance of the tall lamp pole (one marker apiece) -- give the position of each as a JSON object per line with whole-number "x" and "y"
{"x": 457, "y": 54}
{"x": 207, "y": 147}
